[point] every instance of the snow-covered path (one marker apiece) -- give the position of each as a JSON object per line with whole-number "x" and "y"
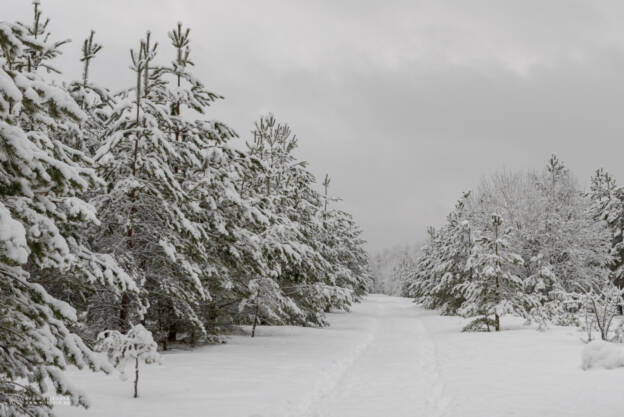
{"x": 395, "y": 370}
{"x": 388, "y": 357}
{"x": 375, "y": 359}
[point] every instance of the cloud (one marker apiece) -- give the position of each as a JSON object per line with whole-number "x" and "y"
{"x": 405, "y": 103}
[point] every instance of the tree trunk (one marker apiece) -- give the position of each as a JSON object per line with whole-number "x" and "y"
{"x": 136, "y": 378}
{"x": 125, "y": 300}
{"x": 255, "y": 322}
{"x": 172, "y": 334}
{"x": 123, "y": 312}
{"x": 498, "y": 297}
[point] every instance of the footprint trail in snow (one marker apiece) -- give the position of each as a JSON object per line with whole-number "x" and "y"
{"x": 393, "y": 372}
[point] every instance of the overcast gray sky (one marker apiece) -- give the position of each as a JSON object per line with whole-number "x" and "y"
{"x": 406, "y": 103}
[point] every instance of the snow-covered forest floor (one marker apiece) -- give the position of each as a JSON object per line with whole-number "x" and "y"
{"x": 388, "y": 357}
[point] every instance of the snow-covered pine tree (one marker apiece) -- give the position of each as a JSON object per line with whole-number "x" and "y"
{"x": 454, "y": 249}
{"x": 403, "y": 270}
{"x": 42, "y": 220}
{"x": 494, "y": 289}
{"x": 267, "y": 302}
{"x": 346, "y": 254}
{"x": 39, "y": 49}
{"x": 422, "y": 278}
{"x": 549, "y": 297}
{"x": 292, "y": 238}
{"x": 601, "y": 191}
{"x": 566, "y": 234}
{"x": 443, "y": 264}
{"x": 94, "y": 100}
{"x": 608, "y": 206}
{"x": 232, "y": 221}
{"x": 236, "y": 269}
{"x": 229, "y": 220}
{"x": 553, "y": 229}
{"x": 382, "y": 265}
{"x": 144, "y": 206}
{"x": 288, "y": 256}
{"x": 343, "y": 247}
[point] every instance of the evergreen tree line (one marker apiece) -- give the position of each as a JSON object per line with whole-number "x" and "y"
{"x": 533, "y": 245}
{"x": 131, "y": 208}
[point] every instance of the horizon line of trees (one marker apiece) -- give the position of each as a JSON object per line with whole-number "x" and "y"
{"x": 127, "y": 211}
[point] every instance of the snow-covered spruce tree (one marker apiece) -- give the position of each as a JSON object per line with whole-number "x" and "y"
{"x": 41, "y": 223}
{"x": 130, "y": 349}
{"x": 494, "y": 289}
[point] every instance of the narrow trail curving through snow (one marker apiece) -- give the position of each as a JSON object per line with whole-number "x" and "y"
{"x": 394, "y": 372}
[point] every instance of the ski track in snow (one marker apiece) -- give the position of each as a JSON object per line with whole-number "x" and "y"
{"x": 332, "y": 376}
{"x": 438, "y": 403}
{"x": 394, "y": 370}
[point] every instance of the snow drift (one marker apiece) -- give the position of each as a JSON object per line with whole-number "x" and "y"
{"x": 601, "y": 354}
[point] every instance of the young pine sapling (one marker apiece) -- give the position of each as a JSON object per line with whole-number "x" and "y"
{"x": 136, "y": 346}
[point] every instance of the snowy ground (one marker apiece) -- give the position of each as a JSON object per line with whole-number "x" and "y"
{"x": 386, "y": 358}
